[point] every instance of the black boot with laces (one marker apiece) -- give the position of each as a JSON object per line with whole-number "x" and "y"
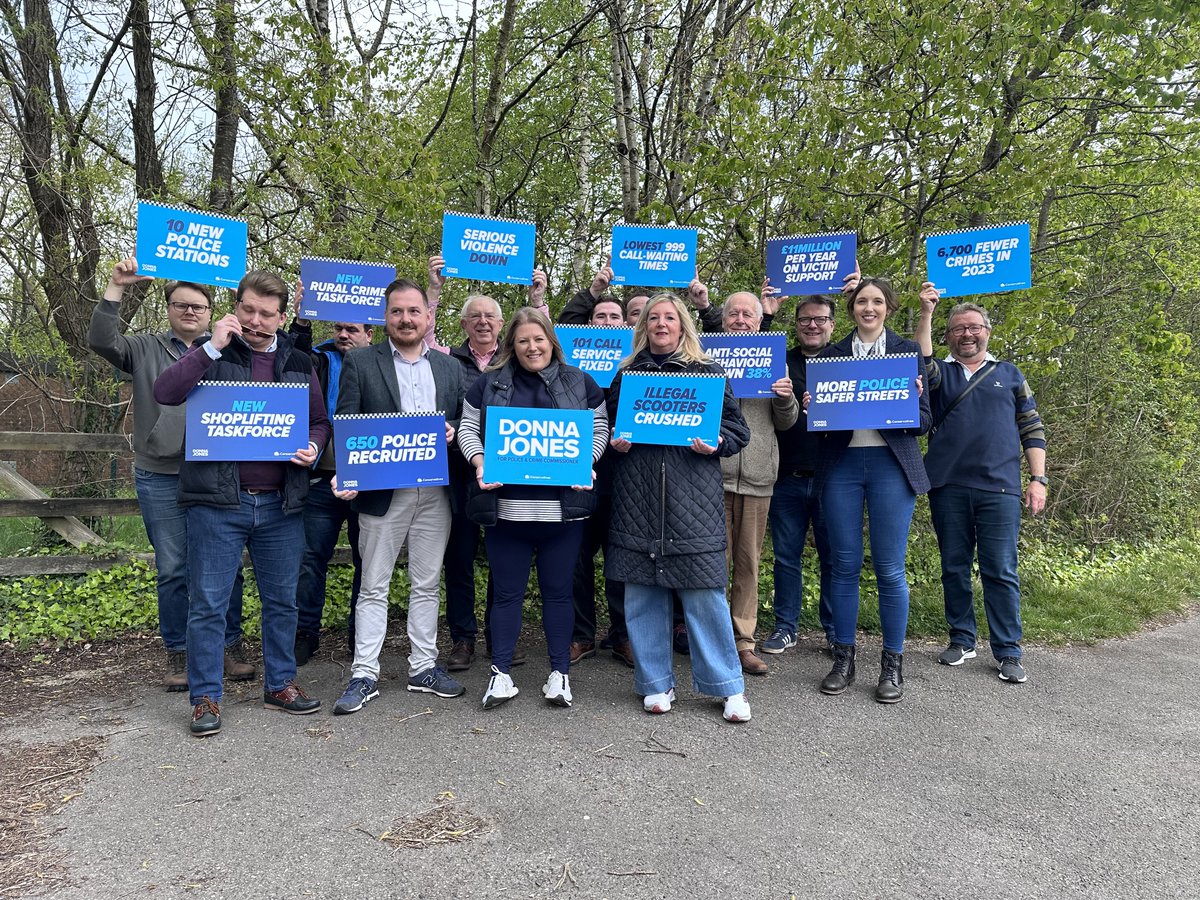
{"x": 841, "y": 676}
{"x": 891, "y": 678}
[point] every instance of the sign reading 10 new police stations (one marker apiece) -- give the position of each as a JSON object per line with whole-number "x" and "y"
{"x": 653, "y": 255}
{"x": 485, "y": 248}
{"x": 669, "y": 409}
{"x": 877, "y": 393}
{"x": 187, "y": 245}
{"x": 383, "y": 451}
{"x": 341, "y": 290}
{"x": 538, "y": 446}
{"x": 979, "y": 260}
{"x": 246, "y": 421}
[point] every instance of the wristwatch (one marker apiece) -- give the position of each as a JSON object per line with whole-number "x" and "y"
{"x": 1040, "y": 479}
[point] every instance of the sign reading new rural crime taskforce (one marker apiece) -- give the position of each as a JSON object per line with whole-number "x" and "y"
{"x": 538, "y": 446}
{"x": 811, "y": 263}
{"x": 484, "y": 248}
{"x": 752, "y": 361}
{"x": 341, "y": 290}
{"x": 653, "y": 255}
{"x": 875, "y": 393}
{"x": 246, "y": 421}
{"x": 596, "y": 349}
{"x": 382, "y": 451}
{"x": 979, "y": 260}
{"x": 670, "y": 409}
{"x": 188, "y": 245}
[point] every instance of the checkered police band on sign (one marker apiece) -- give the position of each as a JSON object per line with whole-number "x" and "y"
{"x": 670, "y": 410}
{"x": 596, "y": 349}
{"x": 752, "y": 362}
{"x": 800, "y": 264}
{"x": 342, "y": 290}
{"x": 538, "y": 446}
{"x": 189, "y": 245}
{"x": 878, "y": 393}
{"x": 245, "y": 421}
{"x": 384, "y": 451}
{"x": 979, "y": 260}
{"x": 653, "y": 255}
{"x": 487, "y": 248}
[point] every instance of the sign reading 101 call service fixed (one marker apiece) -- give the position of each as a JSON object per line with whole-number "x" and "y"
{"x": 484, "y": 248}
{"x": 670, "y": 409}
{"x": 188, "y": 245}
{"x": 538, "y": 446}
{"x": 653, "y": 255}
{"x": 596, "y": 349}
{"x": 246, "y": 421}
{"x": 752, "y": 361}
{"x": 875, "y": 393}
{"x": 341, "y": 290}
{"x": 382, "y": 451}
{"x": 811, "y": 263}
{"x": 979, "y": 260}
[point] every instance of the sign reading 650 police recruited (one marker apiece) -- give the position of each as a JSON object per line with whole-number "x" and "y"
{"x": 596, "y": 349}
{"x": 246, "y": 421}
{"x": 341, "y": 290}
{"x": 653, "y": 255}
{"x": 670, "y": 409}
{"x": 484, "y": 248}
{"x": 538, "y": 446}
{"x": 187, "y": 245}
{"x": 874, "y": 393}
{"x": 979, "y": 260}
{"x": 382, "y": 451}
{"x": 811, "y": 263}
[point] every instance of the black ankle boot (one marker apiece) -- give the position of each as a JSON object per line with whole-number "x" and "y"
{"x": 891, "y": 678}
{"x": 841, "y": 676}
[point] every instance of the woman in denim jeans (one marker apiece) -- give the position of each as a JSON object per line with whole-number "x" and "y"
{"x": 883, "y": 470}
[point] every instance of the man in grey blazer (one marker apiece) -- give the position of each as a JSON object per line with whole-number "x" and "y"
{"x": 400, "y": 375}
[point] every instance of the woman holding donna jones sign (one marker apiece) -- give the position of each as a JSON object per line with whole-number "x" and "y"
{"x": 668, "y": 527}
{"x": 883, "y": 469}
{"x": 529, "y": 371}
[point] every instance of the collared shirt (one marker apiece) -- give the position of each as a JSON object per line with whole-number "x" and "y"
{"x": 415, "y": 380}
{"x": 484, "y": 360}
{"x": 214, "y": 353}
{"x": 967, "y": 373}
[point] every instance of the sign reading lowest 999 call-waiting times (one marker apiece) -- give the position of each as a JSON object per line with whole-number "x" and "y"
{"x": 383, "y": 451}
{"x": 653, "y": 255}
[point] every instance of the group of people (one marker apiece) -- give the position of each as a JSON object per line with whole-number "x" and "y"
{"x": 681, "y": 529}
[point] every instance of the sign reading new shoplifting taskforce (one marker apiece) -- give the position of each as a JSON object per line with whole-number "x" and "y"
{"x": 246, "y": 421}
{"x": 341, "y": 290}
{"x": 538, "y": 446}
{"x": 979, "y": 260}
{"x": 877, "y": 393}
{"x": 188, "y": 245}
{"x": 811, "y": 263}
{"x": 596, "y": 349}
{"x": 752, "y": 361}
{"x": 669, "y": 409}
{"x": 484, "y": 248}
{"x": 653, "y": 255}
{"x": 383, "y": 451}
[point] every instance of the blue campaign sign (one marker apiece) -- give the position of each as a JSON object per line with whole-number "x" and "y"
{"x": 653, "y": 255}
{"x": 483, "y": 248}
{"x": 670, "y": 409}
{"x": 538, "y": 446}
{"x": 597, "y": 349}
{"x": 850, "y": 393}
{"x": 382, "y": 451}
{"x": 341, "y": 290}
{"x": 188, "y": 245}
{"x": 811, "y": 263}
{"x": 979, "y": 260}
{"x": 246, "y": 421}
{"x": 752, "y": 361}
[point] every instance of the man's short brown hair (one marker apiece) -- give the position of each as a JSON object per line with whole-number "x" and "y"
{"x": 265, "y": 284}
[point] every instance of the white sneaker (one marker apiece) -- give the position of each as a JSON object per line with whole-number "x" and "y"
{"x": 500, "y": 689}
{"x": 557, "y": 689}
{"x": 736, "y": 709}
{"x": 659, "y": 703}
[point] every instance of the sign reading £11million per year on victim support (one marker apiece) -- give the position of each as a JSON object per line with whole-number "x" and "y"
{"x": 802, "y": 264}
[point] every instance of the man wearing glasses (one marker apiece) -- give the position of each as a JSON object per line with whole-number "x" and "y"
{"x": 984, "y": 420}
{"x": 158, "y": 451}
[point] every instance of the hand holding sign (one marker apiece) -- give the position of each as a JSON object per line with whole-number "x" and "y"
{"x": 537, "y": 290}
{"x": 697, "y": 293}
{"x": 602, "y": 279}
{"x": 125, "y": 273}
{"x": 929, "y": 297}
{"x": 770, "y": 298}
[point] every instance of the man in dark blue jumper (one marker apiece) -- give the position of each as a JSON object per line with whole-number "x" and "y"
{"x": 985, "y": 419}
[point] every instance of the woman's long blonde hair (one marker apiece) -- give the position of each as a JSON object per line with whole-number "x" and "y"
{"x": 526, "y": 315}
{"x": 689, "y": 350}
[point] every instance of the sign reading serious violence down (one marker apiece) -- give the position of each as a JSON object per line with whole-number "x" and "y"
{"x": 811, "y": 263}
{"x": 382, "y": 451}
{"x": 246, "y": 421}
{"x": 538, "y": 446}
{"x": 876, "y": 393}
{"x": 653, "y": 255}
{"x": 341, "y": 290}
{"x": 484, "y": 248}
{"x": 979, "y": 260}
{"x": 752, "y": 362}
{"x": 669, "y": 409}
{"x": 187, "y": 245}
{"x": 597, "y": 349}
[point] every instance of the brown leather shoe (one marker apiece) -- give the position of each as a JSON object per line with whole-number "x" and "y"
{"x": 751, "y": 664}
{"x": 237, "y": 666}
{"x": 291, "y": 700}
{"x": 175, "y": 678}
{"x": 206, "y": 718}
{"x": 582, "y": 650}
{"x": 461, "y": 656}
{"x": 622, "y": 650}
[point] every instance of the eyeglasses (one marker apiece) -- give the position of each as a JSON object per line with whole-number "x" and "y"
{"x": 813, "y": 320}
{"x": 478, "y": 317}
{"x": 960, "y": 330}
{"x": 181, "y": 307}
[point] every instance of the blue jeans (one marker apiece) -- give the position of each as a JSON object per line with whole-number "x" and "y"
{"x": 166, "y": 526}
{"x": 716, "y": 670}
{"x": 323, "y": 518}
{"x": 968, "y": 520}
{"x": 595, "y": 537}
{"x": 872, "y": 476}
{"x": 276, "y": 542}
{"x": 794, "y": 506}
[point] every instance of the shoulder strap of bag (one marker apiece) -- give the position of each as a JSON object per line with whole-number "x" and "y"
{"x": 975, "y": 381}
